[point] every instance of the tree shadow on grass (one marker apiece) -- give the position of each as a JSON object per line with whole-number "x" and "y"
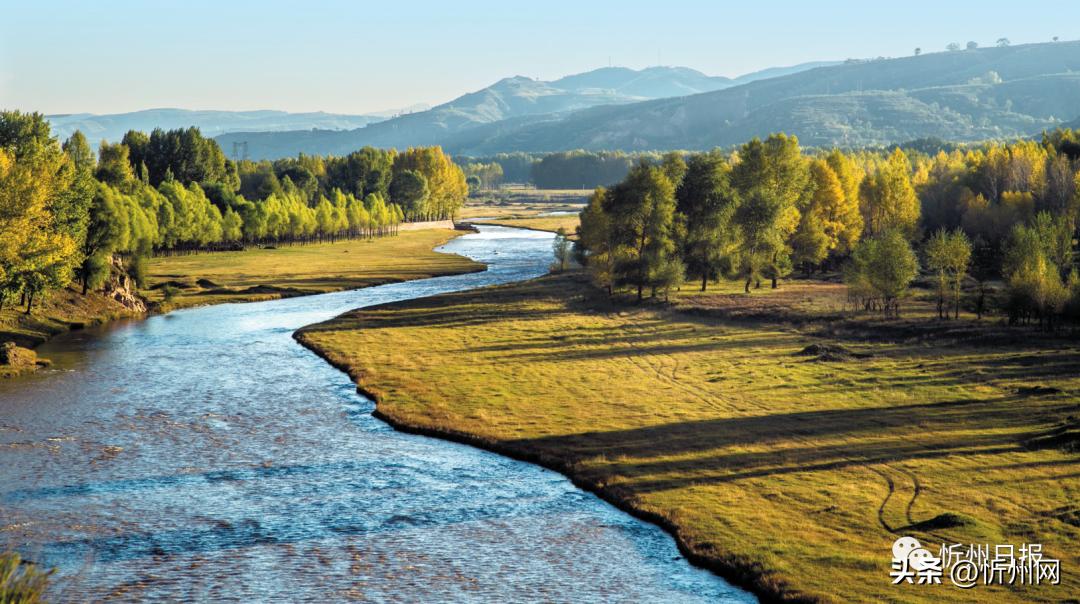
{"x": 715, "y": 451}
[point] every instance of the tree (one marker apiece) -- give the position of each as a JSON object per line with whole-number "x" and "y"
{"x": 42, "y": 208}
{"x": 114, "y": 165}
{"x": 642, "y": 211}
{"x": 972, "y": 45}
{"x": 772, "y": 177}
{"x": 78, "y": 149}
{"x": 883, "y": 267}
{"x": 706, "y": 204}
{"x": 848, "y": 213}
{"x": 1003, "y": 42}
{"x": 810, "y": 243}
{"x": 103, "y": 235}
{"x": 561, "y": 248}
{"x": 674, "y": 166}
{"x": 830, "y": 220}
{"x": 889, "y": 202}
{"x": 594, "y": 246}
{"x": 953, "y": 47}
{"x": 445, "y": 179}
{"x": 409, "y": 189}
{"x": 948, "y": 255}
{"x": 918, "y": 51}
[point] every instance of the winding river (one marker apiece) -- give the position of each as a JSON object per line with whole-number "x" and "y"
{"x": 204, "y": 455}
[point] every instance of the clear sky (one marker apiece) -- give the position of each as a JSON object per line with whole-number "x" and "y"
{"x": 106, "y": 56}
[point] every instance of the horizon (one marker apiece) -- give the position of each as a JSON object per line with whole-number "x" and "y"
{"x": 451, "y": 52}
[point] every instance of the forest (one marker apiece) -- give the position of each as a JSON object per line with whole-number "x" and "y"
{"x": 993, "y": 212}
{"x": 67, "y": 212}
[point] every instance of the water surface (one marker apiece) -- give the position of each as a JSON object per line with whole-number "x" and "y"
{"x": 204, "y": 455}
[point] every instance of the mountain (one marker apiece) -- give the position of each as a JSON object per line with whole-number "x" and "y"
{"x": 112, "y": 127}
{"x": 508, "y": 102}
{"x": 964, "y": 96}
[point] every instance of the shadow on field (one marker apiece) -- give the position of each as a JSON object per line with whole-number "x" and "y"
{"x": 854, "y": 437}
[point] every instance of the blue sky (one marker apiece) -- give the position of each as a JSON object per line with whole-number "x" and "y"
{"x": 350, "y": 57}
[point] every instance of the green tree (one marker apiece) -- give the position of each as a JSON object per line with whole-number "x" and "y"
{"x": 409, "y": 189}
{"x": 642, "y": 211}
{"x": 706, "y": 204}
{"x": 772, "y": 177}
{"x": 881, "y": 269}
{"x": 948, "y": 255}
{"x": 594, "y": 246}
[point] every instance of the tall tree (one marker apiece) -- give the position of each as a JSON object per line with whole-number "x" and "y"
{"x": 889, "y": 202}
{"x": 772, "y": 177}
{"x": 642, "y": 211}
{"x": 706, "y": 204}
{"x": 594, "y": 246}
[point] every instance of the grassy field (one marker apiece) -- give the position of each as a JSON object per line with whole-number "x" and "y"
{"x": 259, "y": 274}
{"x": 790, "y": 469}
{"x": 527, "y": 208}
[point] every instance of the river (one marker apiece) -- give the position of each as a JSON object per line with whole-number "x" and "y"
{"x": 204, "y": 455}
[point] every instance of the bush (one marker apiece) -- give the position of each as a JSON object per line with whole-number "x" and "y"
{"x": 21, "y": 583}
{"x": 880, "y": 271}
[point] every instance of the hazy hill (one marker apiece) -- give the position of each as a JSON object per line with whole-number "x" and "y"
{"x": 212, "y": 123}
{"x": 965, "y": 95}
{"x": 508, "y": 102}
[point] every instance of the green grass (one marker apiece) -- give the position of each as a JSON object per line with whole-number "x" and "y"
{"x": 261, "y": 274}
{"x": 787, "y": 472}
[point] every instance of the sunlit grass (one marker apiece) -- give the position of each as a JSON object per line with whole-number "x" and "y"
{"x": 795, "y": 472}
{"x": 259, "y": 274}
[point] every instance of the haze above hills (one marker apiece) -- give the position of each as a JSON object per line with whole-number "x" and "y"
{"x": 969, "y": 95}
{"x": 112, "y": 127}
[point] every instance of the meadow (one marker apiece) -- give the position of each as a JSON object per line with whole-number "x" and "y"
{"x": 785, "y": 443}
{"x": 291, "y": 270}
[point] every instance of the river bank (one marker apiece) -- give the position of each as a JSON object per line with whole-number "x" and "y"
{"x": 789, "y": 472}
{"x": 252, "y": 275}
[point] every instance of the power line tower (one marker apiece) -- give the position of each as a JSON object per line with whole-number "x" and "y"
{"x": 240, "y": 151}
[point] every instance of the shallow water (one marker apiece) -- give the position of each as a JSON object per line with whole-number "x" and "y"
{"x": 204, "y": 455}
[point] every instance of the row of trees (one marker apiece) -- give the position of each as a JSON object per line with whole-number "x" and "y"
{"x": 1005, "y": 211}
{"x": 562, "y": 170}
{"x": 67, "y": 213}
{"x": 424, "y": 182}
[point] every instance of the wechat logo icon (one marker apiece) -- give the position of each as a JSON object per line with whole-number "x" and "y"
{"x": 912, "y": 563}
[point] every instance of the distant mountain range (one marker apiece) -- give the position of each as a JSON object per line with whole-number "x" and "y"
{"x": 963, "y": 96}
{"x": 971, "y": 95}
{"x": 505, "y": 104}
{"x": 112, "y": 127}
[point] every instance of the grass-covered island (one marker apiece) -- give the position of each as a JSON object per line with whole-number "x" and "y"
{"x": 787, "y": 453}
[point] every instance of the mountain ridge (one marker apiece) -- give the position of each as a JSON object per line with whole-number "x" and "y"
{"x": 510, "y": 100}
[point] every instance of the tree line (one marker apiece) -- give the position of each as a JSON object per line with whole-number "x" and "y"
{"x": 966, "y": 216}
{"x": 66, "y": 212}
{"x": 563, "y": 170}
